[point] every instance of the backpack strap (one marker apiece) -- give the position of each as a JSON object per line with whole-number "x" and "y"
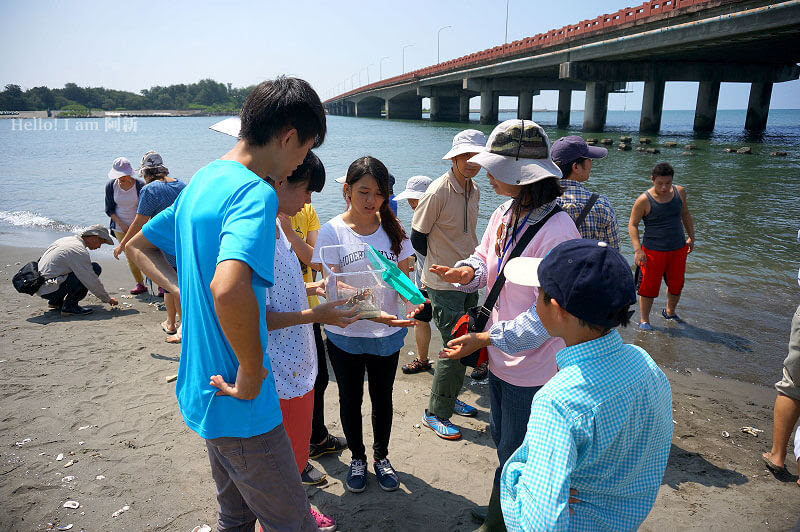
{"x": 585, "y": 212}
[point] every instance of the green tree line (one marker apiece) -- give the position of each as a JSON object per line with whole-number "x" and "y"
{"x": 206, "y": 94}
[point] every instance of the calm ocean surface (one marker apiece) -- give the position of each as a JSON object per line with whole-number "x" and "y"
{"x": 741, "y": 288}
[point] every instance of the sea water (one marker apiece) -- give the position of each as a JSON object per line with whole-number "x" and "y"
{"x": 741, "y": 287}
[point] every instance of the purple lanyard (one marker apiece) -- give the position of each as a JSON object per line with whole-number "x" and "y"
{"x": 509, "y": 240}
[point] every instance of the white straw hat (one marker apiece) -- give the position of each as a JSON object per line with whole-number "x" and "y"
{"x": 415, "y": 187}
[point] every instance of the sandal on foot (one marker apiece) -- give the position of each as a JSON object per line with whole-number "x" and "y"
{"x": 670, "y": 317}
{"x": 167, "y": 329}
{"x": 781, "y": 473}
{"x": 417, "y": 366}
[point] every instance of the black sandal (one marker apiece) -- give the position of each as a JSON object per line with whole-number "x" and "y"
{"x": 416, "y": 366}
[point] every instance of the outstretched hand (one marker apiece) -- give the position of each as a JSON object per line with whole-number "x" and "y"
{"x": 394, "y": 321}
{"x": 329, "y": 314}
{"x": 461, "y": 275}
{"x": 118, "y": 251}
{"x": 247, "y": 385}
{"x": 316, "y": 288}
{"x": 465, "y": 345}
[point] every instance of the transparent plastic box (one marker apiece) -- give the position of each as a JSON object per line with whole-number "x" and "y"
{"x": 349, "y": 275}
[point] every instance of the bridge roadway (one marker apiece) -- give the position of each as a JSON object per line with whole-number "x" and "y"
{"x": 709, "y": 41}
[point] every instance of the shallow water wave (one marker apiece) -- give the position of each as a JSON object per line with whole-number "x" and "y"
{"x": 32, "y": 220}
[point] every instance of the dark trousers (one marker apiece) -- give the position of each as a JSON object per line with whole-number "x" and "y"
{"x": 318, "y": 429}
{"x": 349, "y": 369}
{"x": 71, "y": 290}
{"x": 510, "y": 410}
{"x": 249, "y": 473}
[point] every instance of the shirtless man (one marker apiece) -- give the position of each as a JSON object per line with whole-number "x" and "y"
{"x": 663, "y": 250}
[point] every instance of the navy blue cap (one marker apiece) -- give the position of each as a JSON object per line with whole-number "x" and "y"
{"x": 569, "y": 149}
{"x": 589, "y": 279}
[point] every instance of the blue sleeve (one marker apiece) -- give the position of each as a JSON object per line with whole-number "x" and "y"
{"x": 160, "y": 230}
{"x": 111, "y": 205}
{"x": 147, "y": 203}
{"x": 248, "y": 229}
{"x": 523, "y": 333}
{"x": 534, "y": 485}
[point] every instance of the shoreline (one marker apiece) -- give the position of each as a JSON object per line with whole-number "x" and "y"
{"x": 96, "y": 386}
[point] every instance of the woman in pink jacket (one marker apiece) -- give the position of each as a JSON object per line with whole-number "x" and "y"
{"x": 521, "y": 353}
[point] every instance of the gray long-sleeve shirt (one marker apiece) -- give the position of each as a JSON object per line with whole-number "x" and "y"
{"x": 69, "y": 255}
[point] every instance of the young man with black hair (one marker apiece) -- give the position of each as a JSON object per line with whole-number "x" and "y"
{"x": 600, "y": 430}
{"x": 574, "y": 158}
{"x": 662, "y": 253}
{"x": 221, "y": 230}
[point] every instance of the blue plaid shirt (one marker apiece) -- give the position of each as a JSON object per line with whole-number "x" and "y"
{"x": 601, "y": 221}
{"x": 601, "y": 425}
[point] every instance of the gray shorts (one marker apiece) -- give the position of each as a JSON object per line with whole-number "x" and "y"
{"x": 257, "y": 480}
{"x": 790, "y": 384}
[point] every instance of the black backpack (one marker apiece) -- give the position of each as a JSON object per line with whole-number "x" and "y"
{"x": 28, "y": 280}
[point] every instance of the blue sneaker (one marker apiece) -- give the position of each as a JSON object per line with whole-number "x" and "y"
{"x": 645, "y": 326}
{"x": 442, "y": 427}
{"x": 387, "y": 478}
{"x": 463, "y": 409}
{"x": 356, "y": 477}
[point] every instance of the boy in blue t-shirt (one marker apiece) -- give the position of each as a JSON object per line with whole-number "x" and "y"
{"x": 221, "y": 231}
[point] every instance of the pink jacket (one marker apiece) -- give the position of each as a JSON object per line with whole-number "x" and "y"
{"x": 525, "y": 368}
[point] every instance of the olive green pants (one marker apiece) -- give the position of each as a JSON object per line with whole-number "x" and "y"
{"x": 448, "y": 378}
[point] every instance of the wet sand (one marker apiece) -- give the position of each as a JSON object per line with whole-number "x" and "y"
{"x": 94, "y": 389}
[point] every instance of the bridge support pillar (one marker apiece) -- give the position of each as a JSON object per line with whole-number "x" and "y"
{"x": 490, "y": 104}
{"x": 408, "y": 109}
{"x": 652, "y": 105}
{"x": 463, "y": 107}
{"x": 594, "y": 114}
{"x": 564, "y": 104}
{"x": 525, "y": 105}
{"x": 705, "y": 113}
{"x": 444, "y": 108}
{"x": 370, "y": 108}
{"x": 351, "y": 108}
{"x": 758, "y": 106}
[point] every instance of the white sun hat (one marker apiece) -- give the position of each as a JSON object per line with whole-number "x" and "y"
{"x": 415, "y": 187}
{"x": 229, "y": 126}
{"x": 467, "y": 141}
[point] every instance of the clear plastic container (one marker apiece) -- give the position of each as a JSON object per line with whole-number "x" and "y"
{"x": 349, "y": 275}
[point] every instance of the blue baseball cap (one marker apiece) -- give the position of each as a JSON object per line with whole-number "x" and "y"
{"x": 569, "y": 149}
{"x": 588, "y": 278}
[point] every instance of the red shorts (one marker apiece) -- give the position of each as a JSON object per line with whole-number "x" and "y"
{"x": 669, "y": 265}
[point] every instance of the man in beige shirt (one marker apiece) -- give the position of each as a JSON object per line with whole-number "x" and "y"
{"x": 443, "y": 228}
{"x": 69, "y": 272}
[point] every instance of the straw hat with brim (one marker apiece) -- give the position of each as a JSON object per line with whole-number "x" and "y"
{"x": 467, "y": 141}
{"x": 518, "y": 153}
{"x": 415, "y": 188}
{"x": 120, "y": 167}
{"x": 98, "y": 230}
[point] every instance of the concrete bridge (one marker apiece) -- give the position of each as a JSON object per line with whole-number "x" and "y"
{"x": 709, "y": 41}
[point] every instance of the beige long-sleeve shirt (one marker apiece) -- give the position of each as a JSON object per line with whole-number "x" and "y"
{"x": 69, "y": 255}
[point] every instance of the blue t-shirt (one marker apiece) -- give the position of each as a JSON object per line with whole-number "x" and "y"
{"x": 225, "y": 213}
{"x": 157, "y": 196}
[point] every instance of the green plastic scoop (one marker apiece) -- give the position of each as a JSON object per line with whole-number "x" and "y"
{"x": 395, "y": 278}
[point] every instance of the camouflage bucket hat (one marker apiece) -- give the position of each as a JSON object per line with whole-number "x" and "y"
{"x": 518, "y": 153}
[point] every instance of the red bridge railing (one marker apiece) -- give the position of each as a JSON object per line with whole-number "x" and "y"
{"x": 647, "y": 12}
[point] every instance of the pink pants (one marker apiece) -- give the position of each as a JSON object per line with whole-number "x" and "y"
{"x": 297, "y": 413}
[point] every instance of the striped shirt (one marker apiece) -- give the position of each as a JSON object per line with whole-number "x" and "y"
{"x": 601, "y": 425}
{"x": 601, "y": 221}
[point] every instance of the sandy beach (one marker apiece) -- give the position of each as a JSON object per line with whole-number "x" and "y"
{"x": 94, "y": 389}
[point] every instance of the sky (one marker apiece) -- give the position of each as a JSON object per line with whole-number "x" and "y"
{"x": 135, "y": 45}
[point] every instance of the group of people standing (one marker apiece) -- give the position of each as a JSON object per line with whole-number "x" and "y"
{"x": 581, "y": 422}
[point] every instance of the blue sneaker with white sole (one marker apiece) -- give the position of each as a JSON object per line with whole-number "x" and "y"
{"x": 463, "y": 409}
{"x": 645, "y": 326}
{"x": 356, "y": 481}
{"x": 387, "y": 478}
{"x": 442, "y": 427}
